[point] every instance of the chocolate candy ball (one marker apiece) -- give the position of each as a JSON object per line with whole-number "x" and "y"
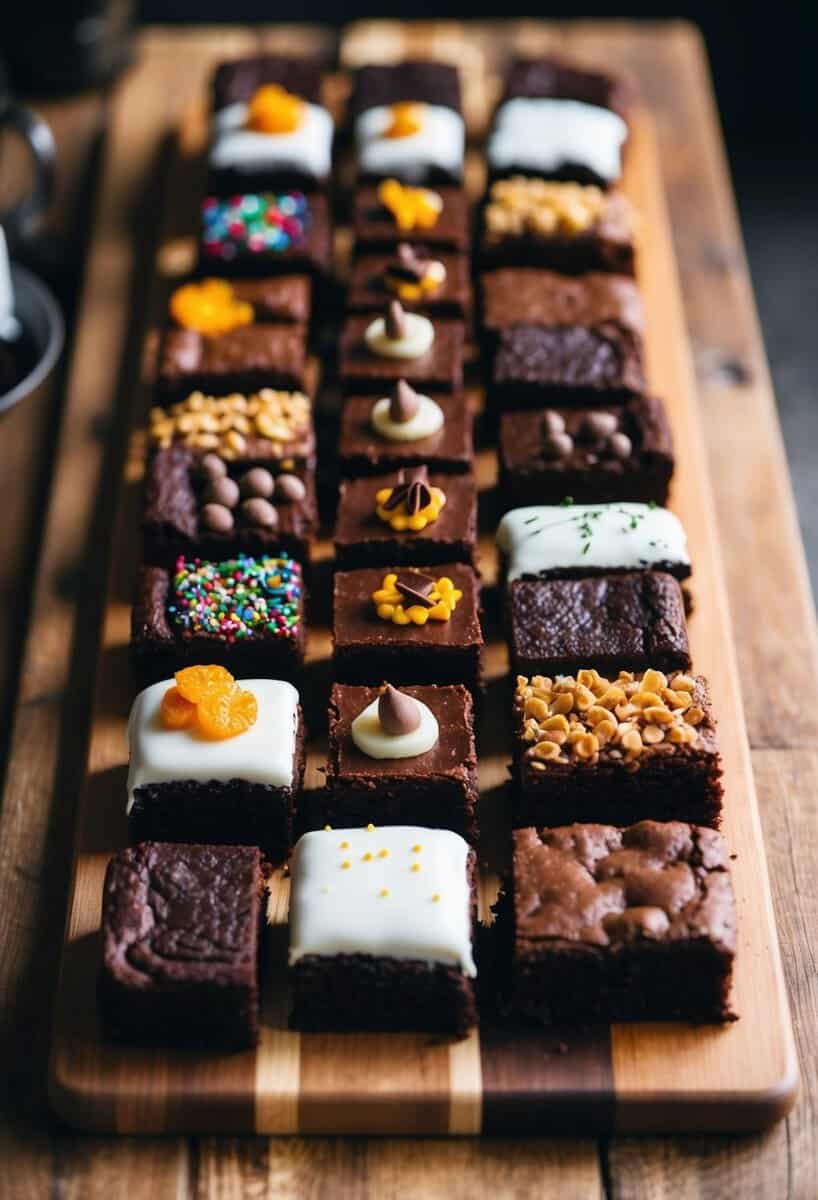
{"x": 597, "y": 426}
{"x": 553, "y": 422}
{"x": 290, "y": 487}
{"x": 619, "y": 445}
{"x": 217, "y": 518}
{"x": 558, "y": 445}
{"x": 213, "y": 466}
{"x": 257, "y": 482}
{"x": 222, "y": 491}
{"x": 259, "y": 512}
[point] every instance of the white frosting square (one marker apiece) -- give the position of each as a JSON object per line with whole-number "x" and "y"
{"x": 307, "y": 149}
{"x": 263, "y": 754}
{"x": 378, "y": 904}
{"x": 542, "y": 135}
{"x": 573, "y": 536}
{"x": 438, "y": 144}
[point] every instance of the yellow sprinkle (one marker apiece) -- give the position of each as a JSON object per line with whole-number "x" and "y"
{"x": 416, "y": 849}
{"x": 370, "y": 828}
{"x": 415, "y": 867}
{"x": 383, "y": 853}
{"x": 384, "y": 891}
{"x": 343, "y": 846}
{"x": 346, "y": 864}
{"x": 327, "y": 829}
{"x": 436, "y": 898}
{"x": 368, "y": 857}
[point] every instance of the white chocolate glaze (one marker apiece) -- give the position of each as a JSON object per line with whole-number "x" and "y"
{"x": 544, "y": 134}
{"x": 427, "y": 420}
{"x": 420, "y": 334}
{"x": 626, "y": 536}
{"x": 263, "y": 754}
{"x": 438, "y": 144}
{"x": 307, "y": 149}
{"x": 372, "y": 739}
{"x": 379, "y": 905}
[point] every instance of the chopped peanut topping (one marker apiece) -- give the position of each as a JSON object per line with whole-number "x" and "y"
{"x": 224, "y": 423}
{"x": 521, "y": 206}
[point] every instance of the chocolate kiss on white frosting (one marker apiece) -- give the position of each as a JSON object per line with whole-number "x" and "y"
{"x": 397, "y": 712}
{"x": 404, "y": 403}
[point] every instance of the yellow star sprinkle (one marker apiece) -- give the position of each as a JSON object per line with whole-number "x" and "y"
{"x": 344, "y": 846}
{"x": 415, "y": 867}
{"x": 368, "y": 856}
{"x": 383, "y": 853}
{"x": 416, "y": 849}
{"x": 327, "y": 829}
{"x": 346, "y": 864}
{"x": 384, "y": 892}
{"x": 436, "y": 898}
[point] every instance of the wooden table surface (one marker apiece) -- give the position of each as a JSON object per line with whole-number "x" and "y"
{"x": 49, "y": 631}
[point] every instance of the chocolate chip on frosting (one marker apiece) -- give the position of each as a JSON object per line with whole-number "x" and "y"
{"x": 553, "y": 422}
{"x": 217, "y": 518}
{"x": 619, "y": 445}
{"x": 558, "y": 445}
{"x": 223, "y": 492}
{"x": 395, "y": 321}
{"x": 404, "y": 403}
{"x": 260, "y": 512}
{"x": 397, "y": 712}
{"x": 257, "y": 482}
{"x": 290, "y": 488}
{"x": 596, "y": 426}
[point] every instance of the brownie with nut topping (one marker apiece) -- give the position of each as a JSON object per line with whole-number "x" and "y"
{"x": 611, "y": 622}
{"x": 594, "y": 455}
{"x": 615, "y": 749}
{"x": 607, "y": 924}
{"x": 247, "y": 358}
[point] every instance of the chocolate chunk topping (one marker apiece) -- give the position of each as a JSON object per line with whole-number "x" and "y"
{"x": 619, "y": 445}
{"x": 397, "y": 712}
{"x": 222, "y": 491}
{"x": 395, "y": 321}
{"x": 415, "y": 587}
{"x": 412, "y": 489}
{"x": 213, "y": 466}
{"x": 290, "y": 488}
{"x": 553, "y": 422}
{"x": 217, "y": 518}
{"x": 597, "y": 426}
{"x": 404, "y": 403}
{"x": 260, "y": 512}
{"x": 257, "y": 482}
{"x": 558, "y": 445}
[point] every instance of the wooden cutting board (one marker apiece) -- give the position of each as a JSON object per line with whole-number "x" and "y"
{"x": 499, "y": 1080}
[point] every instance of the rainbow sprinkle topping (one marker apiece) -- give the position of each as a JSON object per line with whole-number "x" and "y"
{"x": 253, "y": 224}
{"x": 240, "y": 598}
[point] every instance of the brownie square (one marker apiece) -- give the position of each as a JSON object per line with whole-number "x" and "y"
{"x": 245, "y": 359}
{"x": 534, "y": 366}
{"x": 239, "y": 790}
{"x": 592, "y": 455}
{"x": 180, "y": 943}
{"x": 376, "y": 228}
{"x": 533, "y": 296}
{"x": 618, "y": 749}
{"x": 363, "y": 539}
{"x": 609, "y": 924}
{"x": 553, "y": 77}
{"x": 610, "y": 622}
{"x": 245, "y": 614}
{"x": 265, "y": 233}
{"x": 437, "y": 788}
{"x": 284, "y": 299}
{"x": 235, "y": 81}
{"x": 440, "y": 369}
{"x": 567, "y": 227}
{"x": 421, "y": 80}
{"x": 189, "y": 513}
{"x": 362, "y": 450}
{"x": 385, "y": 913}
{"x": 369, "y": 648}
{"x": 370, "y": 289}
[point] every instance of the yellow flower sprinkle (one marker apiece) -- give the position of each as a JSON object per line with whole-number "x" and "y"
{"x": 436, "y": 898}
{"x": 346, "y": 864}
{"x": 383, "y": 853}
{"x": 343, "y": 846}
{"x": 368, "y": 856}
{"x": 370, "y": 828}
{"x": 327, "y": 829}
{"x": 384, "y": 892}
{"x": 415, "y": 867}
{"x": 416, "y": 849}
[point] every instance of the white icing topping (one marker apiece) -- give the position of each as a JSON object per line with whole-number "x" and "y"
{"x": 263, "y": 754}
{"x": 338, "y": 910}
{"x": 308, "y": 148}
{"x": 420, "y": 334}
{"x": 437, "y": 144}
{"x": 630, "y": 536}
{"x": 545, "y": 134}
{"x": 372, "y": 739}
{"x": 427, "y": 420}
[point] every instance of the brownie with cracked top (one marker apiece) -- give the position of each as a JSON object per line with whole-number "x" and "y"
{"x": 611, "y": 622}
{"x": 180, "y": 941}
{"x": 608, "y": 924}
{"x": 534, "y": 296}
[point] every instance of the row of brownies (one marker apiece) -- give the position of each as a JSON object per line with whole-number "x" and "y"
{"x": 606, "y": 920}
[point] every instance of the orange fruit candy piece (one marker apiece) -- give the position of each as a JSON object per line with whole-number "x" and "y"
{"x": 274, "y": 110}
{"x": 210, "y": 307}
{"x": 176, "y": 712}
{"x": 225, "y": 714}
{"x": 195, "y": 683}
{"x": 406, "y": 119}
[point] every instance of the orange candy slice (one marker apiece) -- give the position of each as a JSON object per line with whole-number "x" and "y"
{"x": 194, "y": 683}
{"x": 176, "y": 712}
{"x": 223, "y": 714}
{"x": 210, "y": 307}
{"x": 406, "y": 119}
{"x": 274, "y": 110}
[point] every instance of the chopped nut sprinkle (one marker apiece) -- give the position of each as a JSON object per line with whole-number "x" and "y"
{"x": 224, "y": 423}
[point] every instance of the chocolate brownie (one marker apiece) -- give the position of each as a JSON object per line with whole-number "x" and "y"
{"x": 363, "y": 538}
{"x": 376, "y": 229}
{"x": 533, "y": 78}
{"x": 619, "y": 749}
{"x": 184, "y": 786}
{"x": 255, "y": 510}
{"x": 180, "y": 944}
{"x": 440, "y": 369}
{"x": 533, "y": 296}
{"x": 592, "y": 455}
{"x": 245, "y": 359}
{"x": 437, "y": 787}
{"x": 370, "y": 647}
{"x": 381, "y": 923}
{"x": 634, "y": 924}
{"x": 265, "y": 233}
{"x": 245, "y": 614}
{"x": 420, "y": 80}
{"x": 611, "y": 622}
{"x": 362, "y": 450}
{"x": 377, "y": 277}
{"x": 534, "y": 366}
{"x": 235, "y": 81}
{"x": 567, "y": 227}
